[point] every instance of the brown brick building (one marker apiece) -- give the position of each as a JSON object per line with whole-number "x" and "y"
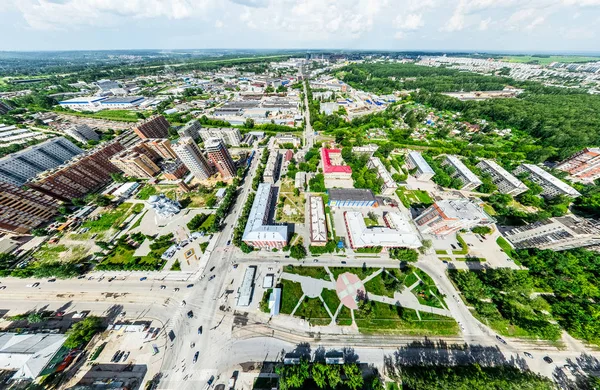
{"x": 175, "y": 170}
{"x": 23, "y": 210}
{"x": 80, "y": 176}
{"x": 154, "y": 127}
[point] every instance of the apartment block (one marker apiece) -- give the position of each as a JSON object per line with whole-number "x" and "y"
{"x": 136, "y": 165}
{"x": 583, "y": 166}
{"x": 85, "y": 174}
{"x": 506, "y": 182}
{"x": 154, "y": 127}
{"x": 162, "y": 147}
{"x": 174, "y": 170}
{"x": 557, "y": 234}
{"x": 414, "y": 160}
{"x": 17, "y": 168}
{"x": 461, "y": 172}
{"x": 449, "y": 216}
{"x": 192, "y": 157}
{"x": 273, "y": 167}
{"x": 318, "y": 223}
{"x": 229, "y": 136}
{"x": 389, "y": 186}
{"x": 220, "y": 157}
{"x": 191, "y": 129}
{"x": 552, "y": 186}
{"x": 23, "y": 210}
{"x": 82, "y": 133}
{"x": 259, "y": 232}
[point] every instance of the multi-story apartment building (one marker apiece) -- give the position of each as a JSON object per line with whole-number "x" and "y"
{"x": 552, "y": 186}
{"x": 448, "y": 216}
{"x": 162, "y": 147}
{"x": 23, "y": 210}
{"x": 259, "y": 232}
{"x": 134, "y": 164}
{"x": 189, "y": 153}
{"x": 82, "y": 133}
{"x": 389, "y": 186}
{"x": 506, "y": 182}
{"x": 85, "y": 174}
{"x": 333, "y": 165}
{"x": 191, "y": 129}
{"x": 175, "y": 170}
{"x": 272, "y": 167}
{"x": 154, "y": 127}
{"x": 229, "y": 136}
{"x": 414, "y": 160}
{"x": 220, "y": 157}
{"x": 17, "y": 168}
{"x": 583, "y": 165}
{"x": 461, "y": 172}
{"x": 557, "y": 234}
{"x": 318, "y": 223}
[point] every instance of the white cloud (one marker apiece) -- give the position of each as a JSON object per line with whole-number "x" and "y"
{"x": 525, "y": 19}
{"x": 484, "y": 24}
{"x": 399, "y": 35}
{"x": 409, "y": 22}
{"x": 219, "y": 23}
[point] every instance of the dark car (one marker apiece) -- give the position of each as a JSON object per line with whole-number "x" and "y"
{"x": 500, "y": 339}
{"x": 190, "y": 314}
{"x": 190, "y": 285}
{"x": 115, "y": 356}
{"x": 547, "y": 359}
{"x": 143, "y": 278}
{"x": 343, "y": 262}
{"x": 211, "y": 380}
{"x": 530, "y": 356}
{"x": 196, "y": 356}
{"x": 51, "y": 280}
{"x": 212, "y": 269}
{"x": 211, "y": 278}
{"x": 200, "y": 330}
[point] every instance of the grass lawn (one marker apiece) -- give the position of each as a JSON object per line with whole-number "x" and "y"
{"x": 371, "y": 222}
{"x": 51, "y": 253}
{"x": 120, "y": 255}
{"x": 441, "y": 252}
{"x": 139, "y": 221}
{"x": 344, "y": 317}
{"x": 291, "y": 292}
{"x": 208, "y": 222}
{"x": 414, "y": 197}
{"x": 444, "y": 259}
{"x": 463, "y": 245}
{"x": 293, "y": 206}
{"x": 383, "y": 285}
{"x": 503, "y": 327}
{"x": 312, "y": 310}
{"x": 410, "y": 279}
{"x": 425, "y": 296}
{"x": 109, "y": 219}
{"x": 360, "y": 272}
{"x": 331, "y": 299}
{"x": 546, "y": 60}
{"x": 147, "y": 191}
{"x": 313, "y": 272}
{"x": 376, "y": 317}
{"x": 489, "y": 209}
{"x": 505, "y": 246}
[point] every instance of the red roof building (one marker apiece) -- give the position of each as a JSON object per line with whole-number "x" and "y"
{"x": 333, "y": 164}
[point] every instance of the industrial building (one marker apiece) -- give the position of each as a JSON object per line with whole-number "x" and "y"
{"x": 121, "y": 103}
{"x": 451, "y": 215}
{"x": 351, "y": 198}
{"x": 10, "y": 134}
{"x": 134, "y": 164}
{"x": 230, "y": 136}
{"x": 80, "y": 176}
{"x": 82, "y": 133}
{"x": 191, "y": 129}
{"x": 258, "y": 231}
{"x": 189, "y": 153}
{"x": 106, "y": 85}
{"x": 469, "y": 180}
{"x": 17, "y": 168}
{"x": 318, "y": 222}
{"x": 154, "y": 127}
{"x": 28, "y": 354}
{"x": 583, "y": 165}
{"x": 389, "y": 186}
{"x": 398, "y": 233}
{"x": 83, "y": 103}
{"x": 22, "y": 210}
{"x": 551, "y": 185}
{"x": 506, "y": 182}
{"x": 557, "y": 234}
{"x": 414, "y": 160}
{"x": 219, "y": 155}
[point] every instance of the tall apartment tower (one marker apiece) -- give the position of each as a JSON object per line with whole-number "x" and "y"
{"x": 583, "y": 165}
{"x": 154, "y": 127}
{"x": 191, "y": 155}
{"x": 23, "y": 210}
{"x": 17, "y": 168}
{"x": 219, "y": 155}
{"x": 135, "y": 164}
{"x": 191, "y": 129}
{"x": 82, "y": 175}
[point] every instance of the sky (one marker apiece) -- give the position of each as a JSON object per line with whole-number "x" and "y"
{"x": 476, "y": 25}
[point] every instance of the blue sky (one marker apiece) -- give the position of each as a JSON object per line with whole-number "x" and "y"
{"x": 500, "y": 25}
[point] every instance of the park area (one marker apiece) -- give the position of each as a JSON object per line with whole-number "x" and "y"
{"x": 290, "y": 207}
{"x": 373, "y": 300}
{"x": 418, "y": 198}
{"x": 197, "y": 198}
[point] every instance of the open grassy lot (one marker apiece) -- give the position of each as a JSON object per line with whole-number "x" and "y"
{"x": 383, "y": 284}
{"x": 122, "y": 256}
{"x": 376, "y": 317}
{"x": 312, "y": 310}
{"x": 113, "y": 115}
{"x": 546, "y": 60}
{"x": 110, "y": 219}
{"x": 146, "y": 191}
{"x": 290, "y": 208}
{"x": 371, "y": 222}
{"x": 344, "y": 317}
{"x": 313, "y": 272}
{"x": 331, "y": 299}
{"x": 291, "y": 292}
{"x": 51, "y": 253}
{"x": 414, "y": 197}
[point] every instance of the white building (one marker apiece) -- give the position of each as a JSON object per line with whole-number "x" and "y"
{"x": 300, "y": 180}
{"x": 28, "y": 354}
{"x": 191, "y": 129}
{"x": 10, "y": 134}
{"x": 506, "y": 182}
{"x": 281, "y": 139}
{"x": 230, "y": 136}
{"x": 389, "y": 186}
{"x": 399, "y": 233}
{"x": 318, "y": 222}
{"x": 121, "y": 103}
{"x": 461, "y": 172}
{"x": 551, "y": 185}
{"x": 258, "y": 231}
{"x": 272, "y": 167}
{"x": 560, "y": 233}
{"x": 247, "y": 288}
{"x": 190, "y": 154}
{"x": 416, "y": 160}
{"x": 451, "y": 215}
{"x": 83, "y": 103}
{"x": 82, "y": 133}
{"x": 164, "y": 207}
{"x": 366, "y": 149}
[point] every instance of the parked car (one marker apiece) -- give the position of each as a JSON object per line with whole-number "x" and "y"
{"x": 190, "y": 285}
{"x": 211, "y": 278}
{"x": 51, "y": 280}
{"x": 162, "y": 287}
{"x": 190, "y": 314}
{"x": 196, "y": 356}
{"x": 548, "y": 360}
{"x": 143, "y": 278}
{"x": 212, "y": 269}
{"x": 200, "y": 330}
{"x": 500, "y": 339}
{"x": 530, "y": 356}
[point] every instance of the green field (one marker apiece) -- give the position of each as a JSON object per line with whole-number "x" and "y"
{"x": 414, "y": 197}
{"x": 312, "y": 310}
{"x": 312, "y": 272}
{"x": 546, "y": 60}
{"x": 291, "y": 292}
